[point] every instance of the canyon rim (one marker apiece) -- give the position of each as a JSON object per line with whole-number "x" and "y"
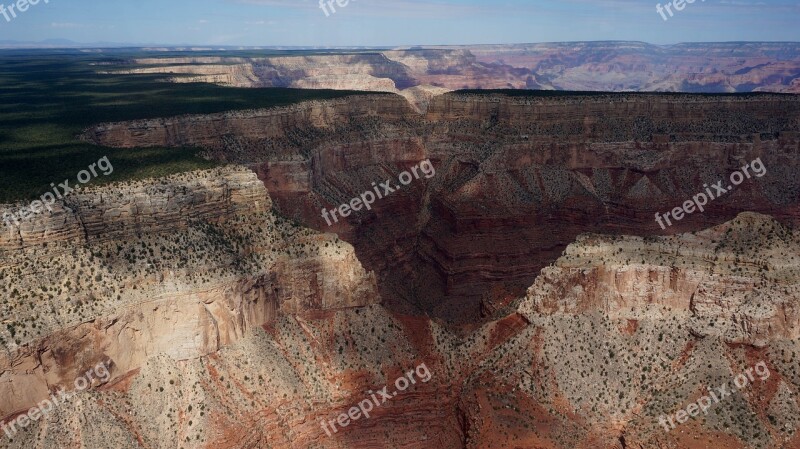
{"x": 292, "y": 235}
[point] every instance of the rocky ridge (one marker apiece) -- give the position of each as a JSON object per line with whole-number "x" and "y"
{"x": 518, "y": 178}
{"x": 578, "y": 66}
{"x": 229, "y": 326}
{"x": 535, "y": 374}
{"x": 182, "y": 266}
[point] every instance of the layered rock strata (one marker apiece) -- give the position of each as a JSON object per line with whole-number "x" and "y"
{"x": 604, "y": 343}
{"x": 182, "y": 266}
{"x": 518, "y": 178}
{"x": 577, "y": 66}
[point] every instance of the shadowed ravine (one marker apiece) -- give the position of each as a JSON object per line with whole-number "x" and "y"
{"x": 528, "y": 275}
{"x": 517, "y": 179}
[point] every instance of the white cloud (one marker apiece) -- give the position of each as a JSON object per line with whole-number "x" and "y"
{"x": 261, "y": 22}
{"x": 67, "y": 25}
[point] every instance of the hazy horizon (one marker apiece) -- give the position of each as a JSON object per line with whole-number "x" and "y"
{"x": 365, "y": 23}
{"x": 63, "y": 43}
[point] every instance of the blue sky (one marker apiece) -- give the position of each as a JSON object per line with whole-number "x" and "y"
{"x": 399, "y": 22}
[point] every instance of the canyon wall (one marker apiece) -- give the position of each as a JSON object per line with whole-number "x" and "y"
{"x": 104, "y": 215}
{"x": 615, "y": 333}
{"x": 182, "y": 267}
{"x": 518, "y": 177}
{"x": 614, "y": 66}
{"x": 528, "y": 275}
{"x": 224, "y": 130}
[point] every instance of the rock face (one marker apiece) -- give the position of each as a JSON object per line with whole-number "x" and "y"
{"x": 244, "y": 128}
{"x": 181, "y": 267}
{"x": 526, "y": 283}
{"x": 599, "y": 348}
{"x": 517, "y": 178}
{"x": 741, "y": 302}
{"x": 139, "y": 207}
{"x": 637, "y": 66}
{"x": 578, "y": 66}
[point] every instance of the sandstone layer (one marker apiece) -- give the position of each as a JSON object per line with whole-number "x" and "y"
{"x": 577, "y": 66}
{"x": 559, "y": 368}
{"x": 528, "y": 275}
{"x": 517, "y": 178}
{"x": 182, "y": 267}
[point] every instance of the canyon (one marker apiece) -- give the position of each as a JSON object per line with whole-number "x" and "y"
{"x": 420, "y": 73}
{"x": 518, "y": 179}
{"x": 529, "y": 275}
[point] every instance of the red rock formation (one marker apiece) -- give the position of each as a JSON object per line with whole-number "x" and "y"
{"x": 576, "y": 66}
{"x": 183, "y": 266}
{"x": 518, "y": 178}
{"x": 561, "y": 368}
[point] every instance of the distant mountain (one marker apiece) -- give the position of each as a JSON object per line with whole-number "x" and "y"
{"x": 419, "y": 72}
{"x": 66, "y": 43}
{"x": 59, "y": 43}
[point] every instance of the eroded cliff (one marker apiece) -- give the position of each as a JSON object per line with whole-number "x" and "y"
{"x": 182, "y": 266}
{"x": 528, "y": 275}
{"x": 517, "y": 178}
{"x": 617, "y": 332}
{"x": 612, "y": 66}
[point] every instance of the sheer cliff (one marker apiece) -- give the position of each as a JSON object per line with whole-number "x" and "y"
{"x": 517, "y": 178}
{"x": 528, "y": 275}
{"x": 613, "y": 66}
